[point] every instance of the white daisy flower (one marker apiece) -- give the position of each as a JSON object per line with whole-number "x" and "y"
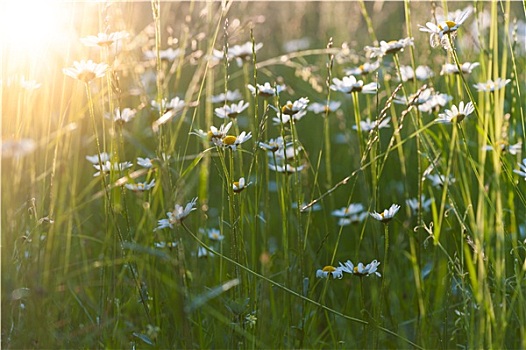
{"x": 164, "y": 244}
{"x": 177, "y": 215}
{"x": 141, "y": 186}
{"x": 214, "y": 234}
{"x": 421, "y": 73}
{"x": 434, "y": 102}
{"x": 491, "y": 85}
{"x": 363, "y": 69}
{"x": 387, "y": 214}
{"x": 86, "y": 71}
{"x": 145, "y": 162}
{"x": 243, "y": 52}
{"x": 29, "y": 84}
{"x": 287, "y": 118}
{"x": 352, "y": 219}
{"x": 352, "y": 209}
{"x": 109, "y": 166}
{"x": 231, "y": 111}
{"x": 466, "y": 68}
{"x": 386, "y": 48}
{"x": 445, "y": 27}
{"x": 104, "y": 157}
{"x": 123, "y": 116}
{"x": 330, "y": 271}
{"x": 273, "y": 145}
{"x": 266, "y": 89}
{"x": 349, "y": 84}
{"x": 104, "y": 39}
{"x": 413, "y": 203}
{"x": 169, "y": 54}
{"x": 360, "y": 270}
{"x": 240, "y": 185}
{"x": 291, "y": 108}
{"x": 505, "y": 147}
{"x": 176, "y": 104}
{"x": 232, "y": 142}
{"x": 322, "y": 108}
{"x": 456, "y": 115}
{"x": 288, "y": 169}
{"x": 224, "y": 97}
{"x": 368, "y": 125}
{"x": 522, "y": 169}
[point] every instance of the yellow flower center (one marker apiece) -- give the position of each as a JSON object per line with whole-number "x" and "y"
{"x": 229, "y": 140}
{"x": 287, "y": 109}
{"x": 329, "y": 269}
{"x": 86, "y": 76}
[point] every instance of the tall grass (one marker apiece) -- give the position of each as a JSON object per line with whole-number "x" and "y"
{"x": 87, "y": 263}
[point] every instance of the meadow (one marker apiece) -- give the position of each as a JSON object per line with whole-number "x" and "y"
{"x": 263, "y": 175}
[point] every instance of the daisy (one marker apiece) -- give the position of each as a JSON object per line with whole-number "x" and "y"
{"x": 330, "y": 271}
{"x": 438, "y": 180}
{"x": 177, "y": 215}
{"x": 446, "y": 27}
{"x": 387, "y": 214}
{"x": 104, "y": 157}
{"x": 289, "y": 151}
{"x": 140, "y": 186}
{"x": 287, "y": 118}
{"x": 123, "y": 116}
{"x": 103, "y": 39}
{"x": 232, "y": 142}
{"x": 352, "y": 219}
{"x": 390, "y": 47}
{"x": 368, "y": 125}
{"x": 266, "y": 90}
{"x": 287, "y": 169}
{"x": 360, "y": 270}
{"x": 323, "y": 108}
{"x": 421, "y": 73}
{"x": 363, "y": 69}
{"x": 231, "y": 111}
{"x": 349, "y": 84}
{"x": 176, "y": 104}
{"x": 434, "y": 102}
{"x": 352, "y": 209}
{"x": 240, "y": 185}
{"x": 108, "y": 166}
{"x": 169, "y": 54}
{"x": 413, "y": 203}
{"x": 466, "y": 68}
{"x": 491, "y": 85}
{"x": 86, "y": 71}
{"x": 505, "y": 147}
{"x": 413, "y": 99}
{"x": 215, "y": 134}
{"x": 224, "y": 97}
{"x": 291, "y": 108}
{"x": 29, "y": 84}
{"x": 243, "y": 52}
{"x": 214, "y": 234}
{"x": 144, "y": 162}
{"x": 273, "y": 145}
{"x": 456, "y": 115}
{"x": 164, "y": 244}
{"x": 522, "y": 169}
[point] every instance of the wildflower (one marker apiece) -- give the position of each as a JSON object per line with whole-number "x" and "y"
{"x": 368, "y": 125}
{"x": 363, "y": 69}
{"x": 435, "y": 101}
{"x": 240, "y": 185}
{"x": 291, "y": 108}
{"x": 145, "y": 162}
{"x": 465, "y": 67}
{"x": 123, "y": 116}
{"x": 141, "y": 186}
{"x": 386, "y": 48}
{"x": 322, "y": 108}
{"x": 273, "y": 145}
{"x": 215, "y": 135}
{"x": 250, "y": 320}
{"x": 360, "y": 270}
{"x": 104, "y": 157}
{"x": 288, "y": 169}
{"x": 177, "y": 215}
{"x": 349, "y": 84}
{"x": 438, "y": 180}
{"x": 17, "y": 148}
{"x": 108, "y": 166}
{"x": 214, "y": 234}
{"x": 352, "y": 209}
{"x": 29, "y": 84}
{"x": 413, "y": 203}
{"x": 243, "y": 52}
{"x": 266, "y": 90}
{"x": 505, "y": 147}
{"x": 491, "y": 85}
{"x": 446, "y": 27}
{"x": 86, "y": 71}
{"x": 296, "y": 45}
{"x": 330, "y": 271}
{"x": 522, "y": 169}
{"x": 387, "y": 214}
{"x": 164, "y": 244}
{"x": 289, "y": 151}
{"x": 176, "y": 104}
{"x": 228, "y": 96}
{"x": 287, "y": 118}
{"x": 231, "y": 111}
{"x": 352, "y": 219}
{"x": 420, "y": 73}
{"x": 103, "y": 39}
{"x": 203, "y": 253}
{"x": 169, "y": 54}
{"x": 456, "y": 115}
